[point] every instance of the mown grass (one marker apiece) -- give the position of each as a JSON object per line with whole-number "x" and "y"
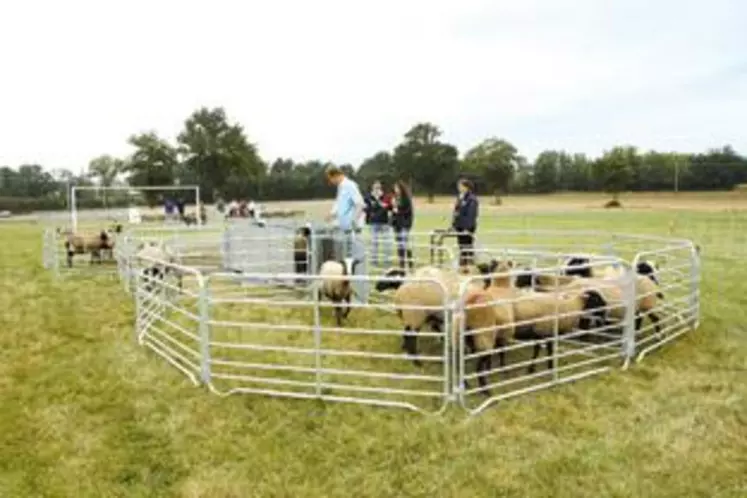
{"x": 86, "y": 412}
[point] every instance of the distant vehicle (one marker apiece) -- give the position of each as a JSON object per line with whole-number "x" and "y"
{"x": 5, "y": 214}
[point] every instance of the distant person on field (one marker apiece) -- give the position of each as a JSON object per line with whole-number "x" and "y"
{"x": 464, "y": 222}
{"x": 347, "y": 212}
{"x": 168, "y": 208}
{"x": 377, "y": 217}
{"x": 233, "y": 208}
{"x": 402, "y": 217}
{"x": 180, "y": 207}
{"x": 252, "y": 207}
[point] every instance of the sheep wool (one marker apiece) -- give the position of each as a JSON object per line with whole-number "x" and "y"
{"x": 419, "y": 302}
{"x": 487, "y": 325}
{"x": 338, "y": 290}
{"x": 94, "y": 243}
{"x": 163, "y": 258}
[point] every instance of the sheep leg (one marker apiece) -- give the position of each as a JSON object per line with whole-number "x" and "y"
{"x": 638, "y": 322}
{"x": 468, "y": 349}
{"x": 483, "y": 366}
{"x": 410, "y": 344}
{"x": 535, "y": 355}
{"x": 655, "y": 320}
{"x": 346, "y": 307}
{"x": 338, "y": 314}
{"x": 527, "y": 333}
{"x": 550, "y": 349}
{"x": 500, "y": 343}
{"x": 69, "y": 259}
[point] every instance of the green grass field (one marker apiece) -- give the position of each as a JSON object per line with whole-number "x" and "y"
{"x": 87, "y": 412}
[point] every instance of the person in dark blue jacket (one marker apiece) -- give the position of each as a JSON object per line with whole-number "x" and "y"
{"x": 377, "y": 217}
{"x": 464, "y": 222}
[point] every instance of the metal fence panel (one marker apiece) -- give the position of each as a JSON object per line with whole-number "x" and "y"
{"x": 263, "y": 330}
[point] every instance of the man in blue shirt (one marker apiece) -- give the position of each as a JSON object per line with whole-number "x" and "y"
{"x": 349, "y": 203}
{"x": 348, "y": 213}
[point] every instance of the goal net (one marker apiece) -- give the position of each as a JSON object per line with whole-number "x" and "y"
{"x": 90, "y": 206}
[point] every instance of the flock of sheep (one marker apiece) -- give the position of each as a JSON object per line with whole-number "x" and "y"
{"x": 102, "y": 243}
{"x": 504, "y": 304}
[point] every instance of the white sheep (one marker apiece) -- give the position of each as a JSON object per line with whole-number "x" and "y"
{"x": 165, "y": 259}
{"x": 338, "y": 290}
{"x": 421, "y": 302}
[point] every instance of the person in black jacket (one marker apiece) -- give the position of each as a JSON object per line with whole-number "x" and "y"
{"x": 402, "y": 217}
{"x": 377, "y": 217}
{"x": 464, "y": 221}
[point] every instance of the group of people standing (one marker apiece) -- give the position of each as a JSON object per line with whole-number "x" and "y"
{"x": 392, "y": 214}
{"x": 384, "y": 210}
{"x": 173, "y": 208}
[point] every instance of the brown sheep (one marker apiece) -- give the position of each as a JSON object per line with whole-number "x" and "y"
{"x": 82, "y": 243}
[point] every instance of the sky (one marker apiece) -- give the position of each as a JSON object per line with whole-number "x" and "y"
{"x": 339, "y": 80}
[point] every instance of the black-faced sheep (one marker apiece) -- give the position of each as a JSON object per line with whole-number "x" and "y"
{"x": 420, "y": 302}
{"x": 647, "y": 295}
{"x": 648, "y": 269}
{"x": 301, "y": 250}
{"x": 580, "y": 266}
{"x": 161, "y": 265}
{"x": 337, "y": 290}
{"x": 492, "y": 325}
{"x": 537, "y": 313}
{"x": 94, "y": 243}
{"x": 499, "y": 314}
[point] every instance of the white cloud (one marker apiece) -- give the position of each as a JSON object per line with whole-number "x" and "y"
{"x": 341, "y": 79}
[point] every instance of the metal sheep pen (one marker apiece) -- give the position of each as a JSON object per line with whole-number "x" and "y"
{"x": 246, "y": 322}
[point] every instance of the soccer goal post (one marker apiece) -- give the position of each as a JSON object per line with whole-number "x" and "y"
{"x": 126, "y": 198}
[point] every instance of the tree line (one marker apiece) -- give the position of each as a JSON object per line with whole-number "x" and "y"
{"x": 216, "y": 154}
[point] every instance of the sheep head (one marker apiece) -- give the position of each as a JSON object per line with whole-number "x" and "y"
{"x": 525, "y": 280}
{"x": 578, "y": 266}
{"x": 304, "y": 232}
{"x": 648, "y": 269}
{"x": 392, "y": 280}
{"x": 595, "y": 310}
{"x": 349, "y": 265}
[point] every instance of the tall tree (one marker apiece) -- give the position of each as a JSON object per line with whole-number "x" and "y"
{"x": 424, "y": 160}
{"x": 218, "y": 155}
{"x": 614, "y": 170}
{"x": 547, "y": 167}
{"x": 33, "y": 181}
{"x": 380, "y": 167}
{"x": 105, "y": 169}
{"x": 153, "y": 163}
{"x": 494, "y": 160}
